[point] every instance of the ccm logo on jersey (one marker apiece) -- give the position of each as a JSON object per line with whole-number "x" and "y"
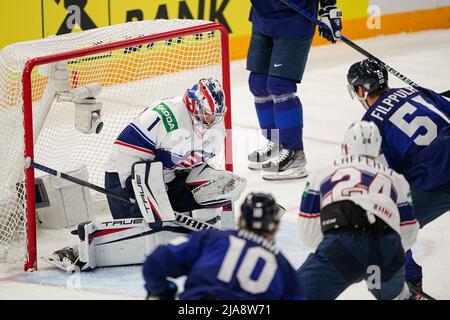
{"x": 329, "y": 221}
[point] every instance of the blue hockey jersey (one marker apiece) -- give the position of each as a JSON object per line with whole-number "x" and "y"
{"x": 274, "y": 18}
{"x": 226, "y": 265}
{"x": 415, "y": 126}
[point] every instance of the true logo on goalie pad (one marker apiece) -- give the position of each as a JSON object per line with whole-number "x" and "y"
{"x": 122, "y": 222}
{"x": 167, "y": 116}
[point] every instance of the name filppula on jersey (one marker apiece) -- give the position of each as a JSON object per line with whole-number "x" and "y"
{"x": 387, "y": 104}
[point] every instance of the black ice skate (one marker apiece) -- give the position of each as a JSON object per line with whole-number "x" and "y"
{"x": 66, "y": 259}
{"x": 263, "y": 154}
{"x": 289, "y": 164}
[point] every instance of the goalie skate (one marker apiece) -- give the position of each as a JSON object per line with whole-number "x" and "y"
{"x": 65, "y": 259}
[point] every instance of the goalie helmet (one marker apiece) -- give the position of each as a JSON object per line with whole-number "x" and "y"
{"x": 206, "y": 102}
{"x": 370, "y": 74}
{"x": 260, "y": 212}
{"x": 362, "y": 139}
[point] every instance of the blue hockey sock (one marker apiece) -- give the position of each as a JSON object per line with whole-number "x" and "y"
{"x": 263, "y": 103}
{"x": 413, "y": 272}
{"x": 288, "y": 112}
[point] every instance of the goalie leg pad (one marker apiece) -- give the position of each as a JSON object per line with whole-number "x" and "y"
{"x": 120, "y": 242}
{"x": 212, "y": 187}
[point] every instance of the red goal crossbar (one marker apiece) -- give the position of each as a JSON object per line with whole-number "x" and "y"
{"x": 31, "y": 260}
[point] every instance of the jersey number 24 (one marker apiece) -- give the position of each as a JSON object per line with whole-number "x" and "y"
{"x": 348, "y": 181}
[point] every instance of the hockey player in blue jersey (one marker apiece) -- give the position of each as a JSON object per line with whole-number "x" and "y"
{"x": 415, "y": 126}
{"x": 356, "y": 215}
{"x": 277, "y": 56}
{"x": 244, "y": 264}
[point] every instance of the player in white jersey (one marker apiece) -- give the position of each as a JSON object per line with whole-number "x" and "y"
{"x": 160, "y": 162}
{"x": 357, "y": 216}
{"x": 179, "y": 133}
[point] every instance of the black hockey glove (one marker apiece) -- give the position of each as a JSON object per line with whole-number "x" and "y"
{"x": 332, "y": 17}
{"x": 168, "y": 293}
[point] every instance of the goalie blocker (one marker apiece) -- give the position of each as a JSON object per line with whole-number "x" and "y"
{"x": 200, "y": 194}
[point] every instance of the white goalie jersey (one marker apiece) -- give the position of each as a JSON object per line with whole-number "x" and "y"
{"x": 379, "y": 190}
{"x": 165, "y": 132}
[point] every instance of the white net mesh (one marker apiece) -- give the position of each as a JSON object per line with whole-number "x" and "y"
{"x": 131, "y": 79}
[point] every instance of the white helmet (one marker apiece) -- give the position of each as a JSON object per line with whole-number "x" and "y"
{"x": 362, "y": 139}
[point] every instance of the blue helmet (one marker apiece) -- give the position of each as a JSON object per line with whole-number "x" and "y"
{"x": 260, "y": 212}
{"x": 206, "y": 102}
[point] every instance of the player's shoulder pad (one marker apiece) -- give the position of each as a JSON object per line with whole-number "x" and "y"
{"x": 401, "y": 180}
{"x": 166, "y": 111}
{"x": 315, "y": 179}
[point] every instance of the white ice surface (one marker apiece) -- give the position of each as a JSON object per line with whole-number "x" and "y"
{"x": 328, "y": 111}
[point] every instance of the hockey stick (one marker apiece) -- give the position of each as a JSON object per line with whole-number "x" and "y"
{"x": 446, "y": 94}
{"x": 420, "y": 293}
{"x": 180, "y": 218}
{"x": 316, "y": 21}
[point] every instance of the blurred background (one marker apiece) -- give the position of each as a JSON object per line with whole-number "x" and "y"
{"x": 33, "y": 19}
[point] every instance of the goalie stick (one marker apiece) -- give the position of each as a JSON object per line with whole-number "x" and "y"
{"x": 420, "y": 293}
{"x": 446, "y": 94}
{"x": 347, "y": 41}
{"x": 181, "y": 219}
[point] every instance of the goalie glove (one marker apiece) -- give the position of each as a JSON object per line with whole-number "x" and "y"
{"x": 215, "y": 187}
{"x": 332, "y": 17}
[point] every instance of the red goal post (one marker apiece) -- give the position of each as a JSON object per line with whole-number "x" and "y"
{"x": 98, "y": 49}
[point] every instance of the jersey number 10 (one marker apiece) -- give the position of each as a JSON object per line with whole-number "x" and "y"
{"x": 247, "y": 266}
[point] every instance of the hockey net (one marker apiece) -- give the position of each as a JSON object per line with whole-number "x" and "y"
{"x": 135, "y": 64}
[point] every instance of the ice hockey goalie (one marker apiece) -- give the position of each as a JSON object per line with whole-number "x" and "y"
{"x": 161, "y": 162}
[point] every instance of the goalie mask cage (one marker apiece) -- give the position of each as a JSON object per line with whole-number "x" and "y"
{"x": 135, "y": 64}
